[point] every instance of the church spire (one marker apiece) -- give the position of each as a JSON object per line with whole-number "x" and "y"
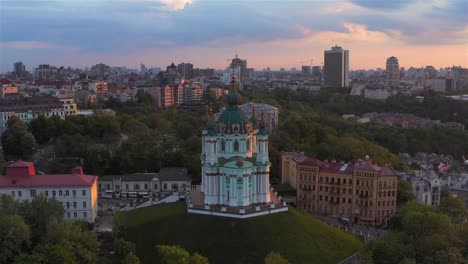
{"x": 233, "y": 98}
{"x": 262, "y": 124}
{"x": 253, "y": 119}
{"x": 210, "y": 125}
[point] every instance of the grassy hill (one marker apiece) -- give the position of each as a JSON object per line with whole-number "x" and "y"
{"x": 299, "y": 238}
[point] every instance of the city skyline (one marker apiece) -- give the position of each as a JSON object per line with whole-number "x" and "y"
{"x": 266, "y": 33}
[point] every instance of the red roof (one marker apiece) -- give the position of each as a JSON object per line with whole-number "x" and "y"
{"x": 21, "y": 174}
{"x": 335, "y": 167}
{"x": 5, "y": 81}
{"x": 311, "y": 162}
{"x": 20, "y": 164}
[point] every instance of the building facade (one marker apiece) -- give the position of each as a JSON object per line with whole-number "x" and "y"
{"x": 8, "y": 88}
{"x": 186, "y": 70}
{"x": 336, "y": 67}
{"x": 235, "y": 163}
{"x": 166, "y": 181}
{"x": 77, "y": 192}
{"x": 362, "y": 192}
{"x": 271, "y": 115}
{"x": 28, "y": 108}
{"x": 392, "y": 73}
{"x": 19, "y": 69}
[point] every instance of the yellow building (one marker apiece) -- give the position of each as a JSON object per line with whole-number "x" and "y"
{"x": 360, "y": 192}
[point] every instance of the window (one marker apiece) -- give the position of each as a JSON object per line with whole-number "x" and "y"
{"x": 136, "y": 186}
{"x": 84, "y": 204}
{"x": 117, "y": 187}
{"x": 60, "y": 193}
{"x": 74, "y": 204}
{"x": 68, "y": 205}
{"x": 83, "y": 192}
{"x": 46, "y": 193}
{"x": 236, "y": 146}
{"x": 223, "y": 146}
{"x": 108, "y": 186}
{"x": 126, "y": 186}
{"x": 74, "y": 192}
{"x": 155, "y": 186}
{"x": 175, "y": 186}
{"x": 85, "y": 214}
{"x": 32, "y": 193}
{"x": 12, "y": 193}
{"x": 165, "y": 186}
{"x": 146, "y": 186}
{"x": 100, "y": 186}
{"x": 248, "y": 144}
{"x": 68, "y": 214}
{"x": 67, "y": 193}
{"x": 75, "y": 214}
{"x": 19, "y": 193}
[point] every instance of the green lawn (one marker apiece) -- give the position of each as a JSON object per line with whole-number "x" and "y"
{"x": 299, "y": 238}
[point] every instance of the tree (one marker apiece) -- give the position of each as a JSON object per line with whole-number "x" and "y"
{"x": 122, "y": 248}
{"x": 17, "y": 141}
{"x": 454, "y": 208}
{"x": 14, "y": 236}
{"x": 275, "y": 258}
{"x": 54, "y": 254}
{"x": 28, "y": 259}
{"x": 130, "y": 258}
{"x": 8, "y": 205}
{"x": 39, "y": 213}
{"x": 177, "y": 255}
{"x": 172, "y": 255}
{"x": 75, "y": 238}
{"x": 198, "y": 259}
{"x": 404, "y": 192}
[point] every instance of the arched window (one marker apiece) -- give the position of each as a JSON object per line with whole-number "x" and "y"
{"x": 223, "y": 146}
{"x": 236, "y": 146}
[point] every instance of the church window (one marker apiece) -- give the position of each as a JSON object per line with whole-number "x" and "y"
{"x": 236, "y": 146}
{"x": 223, "y": 146}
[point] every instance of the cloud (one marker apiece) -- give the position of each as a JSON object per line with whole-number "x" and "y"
{"x": 383, "y": 4}
{"x": 28, "y": 45}
{"x": 176, "y": 4}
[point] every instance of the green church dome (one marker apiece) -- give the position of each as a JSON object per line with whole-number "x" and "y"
{"x": 233, "y": 119}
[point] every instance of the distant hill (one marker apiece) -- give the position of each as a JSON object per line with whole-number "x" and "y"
{"x": 299, "y": 238}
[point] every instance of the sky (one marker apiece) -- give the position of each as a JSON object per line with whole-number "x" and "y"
{"x": 267, "y": 33}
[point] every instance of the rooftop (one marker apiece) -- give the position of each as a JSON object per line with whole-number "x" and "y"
{"x": 165, "y": 174}
{"x": 21, "y": 174}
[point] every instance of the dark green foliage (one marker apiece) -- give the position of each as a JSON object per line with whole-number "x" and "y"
{"x": 420, "y": 234}
{"x": 17, "y": 141}
{"x": 404, "y": 192}
{"x": 14, "y": 237}
{"x": 275, "y": 258}
{"x": 297, "y": 237}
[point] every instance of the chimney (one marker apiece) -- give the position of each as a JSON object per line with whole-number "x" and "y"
{"x": 77, "y": 170}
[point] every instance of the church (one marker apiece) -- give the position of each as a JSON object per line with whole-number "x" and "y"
{"x": 234, "y": 159}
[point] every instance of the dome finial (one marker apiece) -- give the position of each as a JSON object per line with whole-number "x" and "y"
{"x": 233, "y": 97}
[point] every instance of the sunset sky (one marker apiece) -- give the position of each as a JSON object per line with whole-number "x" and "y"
{"x": 268, "y": 33}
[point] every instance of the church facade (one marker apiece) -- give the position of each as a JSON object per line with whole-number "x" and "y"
{"x": 234, "y": 158}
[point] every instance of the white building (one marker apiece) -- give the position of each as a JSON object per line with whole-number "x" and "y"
{"x": 167, "y": 180}
{"x": 376, "y": 93}
{"x": 77, "y": 192}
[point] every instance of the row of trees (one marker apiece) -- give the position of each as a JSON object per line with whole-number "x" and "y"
{"x": 34, "y": 232}
{"x": 423, "y": 234}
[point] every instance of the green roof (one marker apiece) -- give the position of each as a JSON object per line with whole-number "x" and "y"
{"x": 231, "y": 116}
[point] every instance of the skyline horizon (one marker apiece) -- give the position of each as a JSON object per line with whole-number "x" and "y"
{"x": 30, "y": 67}
{"x": 268, "y": 33}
